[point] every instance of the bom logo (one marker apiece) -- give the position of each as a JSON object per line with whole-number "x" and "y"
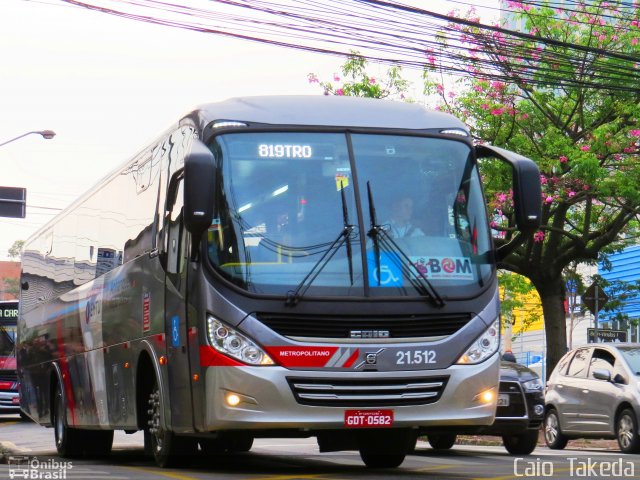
{"x": 445, "y": 266}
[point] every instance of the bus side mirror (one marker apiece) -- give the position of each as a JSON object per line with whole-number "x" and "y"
{"x": 527, "y": 192}
{"x": 199, "y": 182}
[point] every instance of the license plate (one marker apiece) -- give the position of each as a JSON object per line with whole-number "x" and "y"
{"x": 503, "y": 400}
{"x": 368, "y": 418}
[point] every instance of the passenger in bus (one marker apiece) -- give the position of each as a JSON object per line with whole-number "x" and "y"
{"x": 401, "y": 225}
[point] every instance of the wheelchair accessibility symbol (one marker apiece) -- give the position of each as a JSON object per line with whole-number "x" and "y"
{"x": 389, "y": 273}
{"x": 385, "y": 276}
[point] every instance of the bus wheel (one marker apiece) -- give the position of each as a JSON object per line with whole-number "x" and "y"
{"x": 378, "y": 460}
{"x": 522, "y": 444}
{"x": 387, "y": 449}
{"x": 70, "y": 442}
{"x": 236, "y": 443}
{"x": 443, "y": 441}
{"x": 240, "y": 443}
{"x": 165, "y": 446}
{"x": 98, "y": 443}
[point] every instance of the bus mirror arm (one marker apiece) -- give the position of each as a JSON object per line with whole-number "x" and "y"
{"x": 527, "y": 192}
{"x": 199, "y": 182}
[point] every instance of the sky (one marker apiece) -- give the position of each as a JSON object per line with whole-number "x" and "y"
{"x": 108, "y": 86}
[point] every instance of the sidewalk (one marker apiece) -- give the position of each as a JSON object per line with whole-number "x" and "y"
{"x": 578, "y": 444}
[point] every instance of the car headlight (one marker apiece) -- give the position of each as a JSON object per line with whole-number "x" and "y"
{"x": 486, "y": 345}
{"x": 232, "y": 343}
{"x": 534, "y": 385}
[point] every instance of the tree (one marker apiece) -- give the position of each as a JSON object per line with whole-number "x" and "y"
{"x": 16, "y": 249}
{"x": 357, "y": 82}
{"x": 584, "y": 136}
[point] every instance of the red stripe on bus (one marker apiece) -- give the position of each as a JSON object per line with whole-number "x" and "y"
{"x": 210, "y": 357}
{"x": 66, "y": 377}
{"x": 301, "y": 356}
{"x": 352, "y": 359}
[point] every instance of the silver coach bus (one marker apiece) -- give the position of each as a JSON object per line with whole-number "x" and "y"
{"x": 273, "y": 266}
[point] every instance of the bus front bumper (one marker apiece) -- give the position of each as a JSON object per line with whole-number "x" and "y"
{"x": 267, "y": 397}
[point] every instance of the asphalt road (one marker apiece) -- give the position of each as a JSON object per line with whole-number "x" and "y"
{"x": 289, "y": 459}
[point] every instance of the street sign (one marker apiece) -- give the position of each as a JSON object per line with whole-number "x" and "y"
{"x": 13, "y": 202}
{"x": 589, "y": 298}
{"x": 604, "y": 335}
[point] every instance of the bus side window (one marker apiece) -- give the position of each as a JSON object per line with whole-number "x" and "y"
{"x": 175, "y": 243}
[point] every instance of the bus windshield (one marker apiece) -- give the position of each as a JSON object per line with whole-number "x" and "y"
{"x": 284, "y": 201}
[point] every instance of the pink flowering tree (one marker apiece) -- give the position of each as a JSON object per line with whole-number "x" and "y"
{"x": 575, "y": 112}
{"x": 572, "y": 112}
{"x": 355, "y": 81}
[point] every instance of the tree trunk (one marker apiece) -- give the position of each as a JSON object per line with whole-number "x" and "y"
{"x": 552, "y": 295}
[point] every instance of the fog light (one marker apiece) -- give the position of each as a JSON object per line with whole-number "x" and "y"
{"x": 232, "y": 399}
{"x": 487, "y": 396}
{"x": 538, "y": 409}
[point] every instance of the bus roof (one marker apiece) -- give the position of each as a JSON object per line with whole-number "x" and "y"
{"x": 326, "y": 110}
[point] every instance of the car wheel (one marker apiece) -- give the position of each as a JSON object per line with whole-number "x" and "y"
{"x": 553, "y": 437}
{"x": 443, "y": 441}
{"x": 522, "y": 444}
{"x": 627, "y": 432}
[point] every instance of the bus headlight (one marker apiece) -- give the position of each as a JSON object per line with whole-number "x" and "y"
{"x": 486, "y": 345}
{"x": 232, "y": 343}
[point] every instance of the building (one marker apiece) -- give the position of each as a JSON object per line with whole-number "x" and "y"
{"x": 625, "y": 267}
{"x": 9, "y": 280}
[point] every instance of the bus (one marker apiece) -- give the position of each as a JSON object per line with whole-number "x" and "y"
{"x": 239, "y": 278}
{"x": 9, "y": 386}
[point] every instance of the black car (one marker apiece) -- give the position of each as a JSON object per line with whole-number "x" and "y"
{"x": 518, "y": 417}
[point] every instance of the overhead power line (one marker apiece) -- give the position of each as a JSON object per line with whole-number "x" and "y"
{"x": 394, "y": 33}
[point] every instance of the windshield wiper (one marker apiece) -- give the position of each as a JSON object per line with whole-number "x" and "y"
{"x": 293, "y": 297}
{"x": 380, "y": 237}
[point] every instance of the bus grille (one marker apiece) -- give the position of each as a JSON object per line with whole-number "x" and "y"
{"x": 398, "y": 326}
{"x": 367, "y": 392}
{"x": 516, "y": 407}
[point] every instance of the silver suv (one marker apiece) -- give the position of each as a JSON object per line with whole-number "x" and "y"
{"x": 594, "y": 392}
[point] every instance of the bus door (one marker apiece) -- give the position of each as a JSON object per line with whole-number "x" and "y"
{"x": 176, "y": 318}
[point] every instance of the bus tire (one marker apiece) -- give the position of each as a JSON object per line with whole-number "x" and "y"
{"x": 98, "y": 443}
{"x": 70, "y": 442}
{"x": 521, "y": 444}
{"x": 166, "y": 447}
{"x": 377, "y": 460}
{"x": 443, "y": 441}
{"x": 237, "y": 443}
{"x": 385, "y": 449}
{"x": 240, "y": 443}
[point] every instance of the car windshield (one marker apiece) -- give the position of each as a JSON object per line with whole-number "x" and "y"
{"x": 289, "y": 203}
{"x": 632, "y": 357}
